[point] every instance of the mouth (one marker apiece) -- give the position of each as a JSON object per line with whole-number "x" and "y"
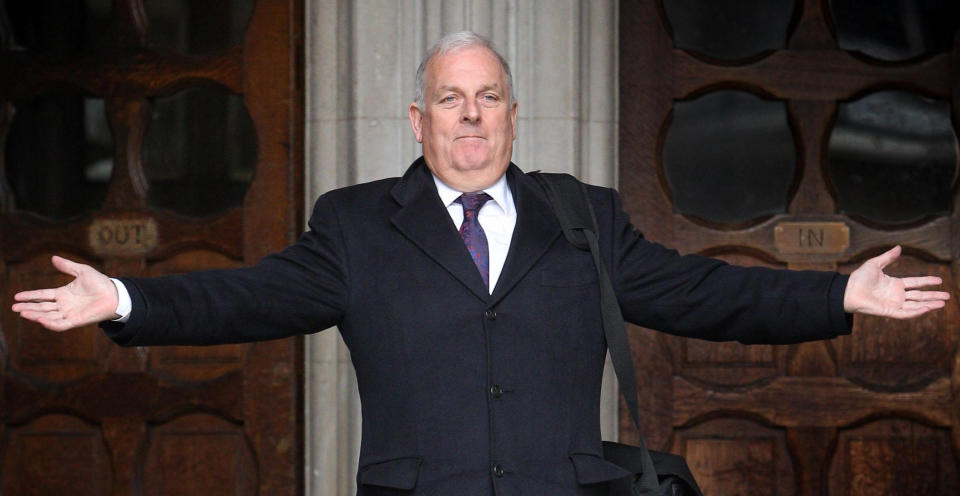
{"x": 469, "y": 137}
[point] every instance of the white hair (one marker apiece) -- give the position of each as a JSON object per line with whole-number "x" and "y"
{"x": 451, "y": 43}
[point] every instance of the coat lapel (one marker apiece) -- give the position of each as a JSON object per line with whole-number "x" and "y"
{"x": 424, "y": 220}
{"x": 536, "y": 230}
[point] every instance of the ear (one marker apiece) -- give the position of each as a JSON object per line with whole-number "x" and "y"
{"x": 416, "y": 122}
{"x": 513, "y": 120}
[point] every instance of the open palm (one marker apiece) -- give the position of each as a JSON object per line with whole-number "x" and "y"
{"x": 91, "y": 297}
{"x": 870, "y": 291}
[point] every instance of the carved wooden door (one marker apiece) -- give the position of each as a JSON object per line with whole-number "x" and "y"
{"x": 146, "y": 138}
{"x": 803, "y": 135}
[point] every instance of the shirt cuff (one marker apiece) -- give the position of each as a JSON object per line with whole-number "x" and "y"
{"x": 123, "y": 302}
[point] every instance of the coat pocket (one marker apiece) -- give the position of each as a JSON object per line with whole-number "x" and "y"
{"x": 592, "y": 469}
{"x": 396, "y": 473}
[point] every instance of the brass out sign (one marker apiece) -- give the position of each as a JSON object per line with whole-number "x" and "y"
{"x": 123, "y": 236}
{"x": 811, "y": 237}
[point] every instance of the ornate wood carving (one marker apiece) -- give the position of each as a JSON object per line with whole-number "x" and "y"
{"x": 198, "y": 454}
{"x": 736, "y": 456}
{"x": 56, "y": 454}
{"x": 891, "y": 455}
{"x": 824, "y": 418}
{"x": 175, "y": 420}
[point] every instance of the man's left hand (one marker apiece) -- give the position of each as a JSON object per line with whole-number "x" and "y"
{"x": 871, "y": 292}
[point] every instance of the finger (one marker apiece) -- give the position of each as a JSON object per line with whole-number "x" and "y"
{"x": 927, "y": 295}
{"x": 909, "y": 314}
{"x": 919, "y": 307}
{"x": 886, "y": 258}
{"x": 934, "y": 305}
{"x": 36, "y": 295}
{"x": 911, "y": 305}
{"x": 919, "y": 282}
{"x": 38, "y": 316}
{"x": 66, "y": 266}
{"x": 46, "y": 306}
{"x": 915, "y": 309}
{"x": 30, "y": 315}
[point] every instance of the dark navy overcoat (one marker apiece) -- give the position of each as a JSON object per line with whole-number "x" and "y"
{"x": 464, "y": 392}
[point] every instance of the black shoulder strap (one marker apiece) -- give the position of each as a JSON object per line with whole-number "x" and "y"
{"x": 568, "y": 197}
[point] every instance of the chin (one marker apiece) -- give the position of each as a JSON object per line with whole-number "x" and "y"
{"x": 472, "y": 164}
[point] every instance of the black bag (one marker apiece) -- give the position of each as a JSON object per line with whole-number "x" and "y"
{"x": 654, "y": 473}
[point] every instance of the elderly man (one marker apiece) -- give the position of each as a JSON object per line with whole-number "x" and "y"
{"x": 473, "y": 324}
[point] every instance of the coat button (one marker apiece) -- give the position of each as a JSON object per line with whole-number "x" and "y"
{"x": 496, "y": 391}
{"x": 490, "y": 314}
{"x": 498, "y": 470}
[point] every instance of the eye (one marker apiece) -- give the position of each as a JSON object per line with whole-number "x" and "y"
{"x": 489, "y": 97}
{"x": 449, "y": 99}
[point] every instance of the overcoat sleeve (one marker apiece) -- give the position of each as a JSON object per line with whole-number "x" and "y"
{"x": 298, "y": 290}
{"x": 705, "y": 298}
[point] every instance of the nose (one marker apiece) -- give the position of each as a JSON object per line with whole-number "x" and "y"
{"x": 471, "y": 111}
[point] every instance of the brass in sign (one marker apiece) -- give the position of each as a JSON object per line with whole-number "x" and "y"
{"x": 811, "y": 237}
{"x": 123, "y": 236}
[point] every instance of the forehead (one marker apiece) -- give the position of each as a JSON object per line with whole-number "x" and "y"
{"x": 465, "y": 67}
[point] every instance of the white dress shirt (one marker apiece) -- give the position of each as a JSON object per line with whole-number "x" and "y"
{"x": 497, "y": 216}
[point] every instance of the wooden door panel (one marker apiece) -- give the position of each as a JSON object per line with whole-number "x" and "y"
{"x": 832, "y": 417}
{"x": 810, "y": 402}
{"x": 885, "y": 456}
{"x": 56, "y": 454}
{"x": 729, "y": 364}
{"x": 166, "y": 420}
{"x": 198, "y": 454}
{"x": 902, "y": 355}
{"x": 737, "y": 456}
{"x": 197, "y": 363}
{"x": 43, "y": 355}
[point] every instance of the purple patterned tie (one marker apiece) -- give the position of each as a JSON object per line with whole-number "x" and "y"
{"x": 472, "y": 233}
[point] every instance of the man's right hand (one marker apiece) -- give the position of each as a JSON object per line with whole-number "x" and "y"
{"x": 90, "y": 298}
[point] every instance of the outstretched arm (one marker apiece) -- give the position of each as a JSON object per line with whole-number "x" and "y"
{"x": 871, "y": 292}
{"x": 90, "y": 298}
{"x": 705, "y": 298}
{"x": 303, "y": 288}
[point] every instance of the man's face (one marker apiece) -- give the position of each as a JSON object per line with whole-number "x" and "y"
{"x": 468, "y": 124}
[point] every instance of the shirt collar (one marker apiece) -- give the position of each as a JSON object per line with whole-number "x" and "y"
{"x": 498, "y": 191}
